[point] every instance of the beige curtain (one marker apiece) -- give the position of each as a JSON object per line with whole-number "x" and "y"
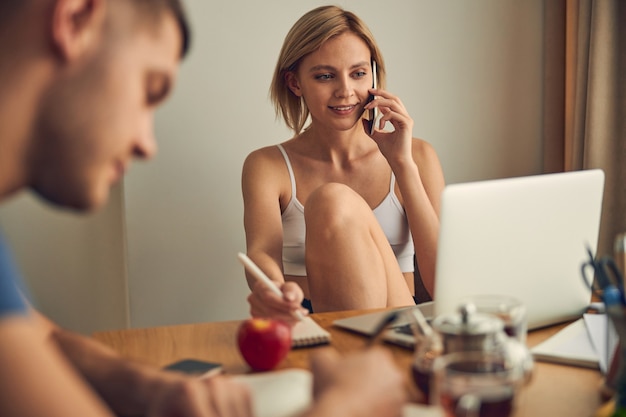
{"x": 585, "y": 99}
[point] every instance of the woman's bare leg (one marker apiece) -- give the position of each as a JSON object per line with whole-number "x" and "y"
{"x": 350, "y": 264}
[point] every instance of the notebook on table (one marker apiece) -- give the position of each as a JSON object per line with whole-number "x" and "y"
{"x": 524, "y": 237}
{"x": 308, "y": 333}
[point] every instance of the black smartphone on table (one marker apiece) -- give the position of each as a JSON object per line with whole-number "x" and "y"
{"x": 195, "y": 367}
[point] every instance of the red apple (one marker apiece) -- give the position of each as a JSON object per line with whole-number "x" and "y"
{"x": 263, "y": 343}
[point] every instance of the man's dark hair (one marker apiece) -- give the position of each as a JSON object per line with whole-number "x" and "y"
{"x": 151, "y": 9}
{"x": 154, "y": 8}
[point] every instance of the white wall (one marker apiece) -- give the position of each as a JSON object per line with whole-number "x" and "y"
{"x": 74, "y": 266}
{"x": 469, "y": 73}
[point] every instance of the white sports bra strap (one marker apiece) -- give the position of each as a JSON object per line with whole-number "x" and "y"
{"x": 291, "y": 175}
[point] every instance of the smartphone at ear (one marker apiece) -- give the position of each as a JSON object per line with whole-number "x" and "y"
{"x": 373, "y": 113}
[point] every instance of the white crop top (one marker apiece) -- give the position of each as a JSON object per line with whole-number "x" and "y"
{"x": 389, "y": 212}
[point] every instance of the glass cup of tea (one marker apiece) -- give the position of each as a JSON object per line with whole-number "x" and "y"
{"x": 475, "y": 384}
{"x": 508, "y": 309}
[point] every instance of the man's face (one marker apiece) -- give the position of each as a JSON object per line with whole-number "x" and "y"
{"x": 100, "y": 115}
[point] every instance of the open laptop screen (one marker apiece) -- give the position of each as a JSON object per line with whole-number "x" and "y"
{"x": 524, "y": 237}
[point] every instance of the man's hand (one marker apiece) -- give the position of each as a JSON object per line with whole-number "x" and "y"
{"x": 365, "y": 384}
{"x": 219, "y": 396}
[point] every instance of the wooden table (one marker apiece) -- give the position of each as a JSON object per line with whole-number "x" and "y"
{"x": 555, "y": 390}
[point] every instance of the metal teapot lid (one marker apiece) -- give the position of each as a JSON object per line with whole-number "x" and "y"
{"x": 467, "y": 322}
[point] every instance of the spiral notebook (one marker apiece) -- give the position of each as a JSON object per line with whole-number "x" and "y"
{"x": 308, "y": 333}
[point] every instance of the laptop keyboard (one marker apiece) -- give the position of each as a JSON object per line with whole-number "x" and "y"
{"x": 404, "y": 329}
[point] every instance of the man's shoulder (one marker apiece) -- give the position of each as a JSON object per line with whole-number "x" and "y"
{"x": 11, "y": 298}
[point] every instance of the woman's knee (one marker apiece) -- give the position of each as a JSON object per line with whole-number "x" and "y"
{"x": 332, "y": 201}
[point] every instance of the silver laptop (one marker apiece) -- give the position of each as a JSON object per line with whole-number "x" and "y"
{"x": 399, "y": 332}
{"x": 524, "y": 236}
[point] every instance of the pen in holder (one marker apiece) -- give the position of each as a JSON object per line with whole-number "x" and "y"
{"x": 615, "y": 380}
{"x": 608, "y": 284}
{"x": 619, "y": 250}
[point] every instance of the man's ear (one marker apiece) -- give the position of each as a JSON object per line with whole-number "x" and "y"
{"x": 293, "y": 83}
{"x": 76, "y": 26}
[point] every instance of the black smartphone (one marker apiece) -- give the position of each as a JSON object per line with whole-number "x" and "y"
{"x": 195, "y": 367}
{"x": 373, "y": 113}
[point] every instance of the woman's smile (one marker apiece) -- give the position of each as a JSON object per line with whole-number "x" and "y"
{"x": 343, "y": 110}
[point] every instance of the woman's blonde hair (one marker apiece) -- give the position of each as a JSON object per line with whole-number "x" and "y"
{"x": 306, "y": 36}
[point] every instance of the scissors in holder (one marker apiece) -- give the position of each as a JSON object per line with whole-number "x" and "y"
{"x": 606, "y": 275}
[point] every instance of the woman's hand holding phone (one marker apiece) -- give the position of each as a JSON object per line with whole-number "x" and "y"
{"x": 394, "y": 145}
{"x": 398, "y": 142}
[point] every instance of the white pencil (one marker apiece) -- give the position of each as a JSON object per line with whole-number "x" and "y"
{"x": 259, "y": 274}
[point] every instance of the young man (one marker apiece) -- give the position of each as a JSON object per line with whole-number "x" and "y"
{"x": 79, "y": 83}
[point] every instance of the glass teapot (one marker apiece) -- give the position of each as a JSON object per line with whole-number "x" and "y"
{"x": 463, "y": 331}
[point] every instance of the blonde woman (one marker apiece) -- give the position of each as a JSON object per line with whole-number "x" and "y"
{"x": 335, "y": 214}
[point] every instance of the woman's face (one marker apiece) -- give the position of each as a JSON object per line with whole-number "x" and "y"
{"x": 334, "y": 81}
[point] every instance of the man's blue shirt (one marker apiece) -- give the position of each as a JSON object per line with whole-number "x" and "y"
{"x": 11, "y": 300}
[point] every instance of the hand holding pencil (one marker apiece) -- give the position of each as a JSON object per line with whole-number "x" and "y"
{"x": 270, "y": 300}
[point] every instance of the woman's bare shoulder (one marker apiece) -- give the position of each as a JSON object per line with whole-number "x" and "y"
{"x": 427, "y": 160}
{"x": 424, "y": 152}
{"x": 268, "y": 156}
{"x": 265, "y": 166}
{"x": 421, "y": 145}
{"x": 265, "y": 176}
{"x": 266, "y": 152}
